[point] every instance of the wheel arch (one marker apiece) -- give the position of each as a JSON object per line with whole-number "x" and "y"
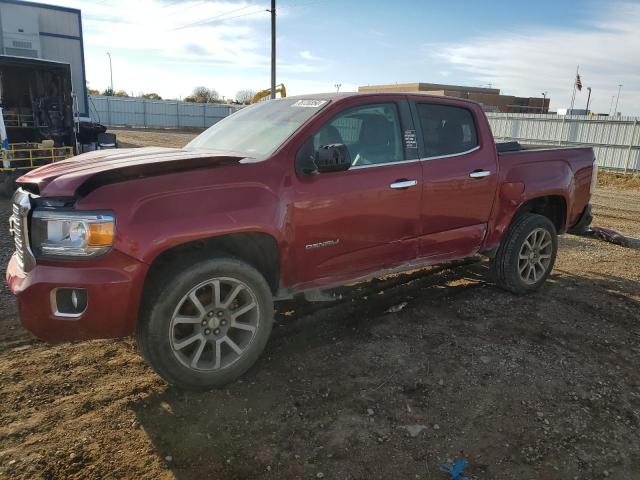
{"x": 258, "y": 249}
{"x": 554, "y": 207}
{"x": 513, "y": 204}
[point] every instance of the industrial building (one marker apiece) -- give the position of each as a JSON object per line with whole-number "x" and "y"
{"x": 47, "y": 32}
{"x": 490, "y": 98}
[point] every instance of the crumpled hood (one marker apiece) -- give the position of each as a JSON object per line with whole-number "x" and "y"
{"x": 86, "y": 171}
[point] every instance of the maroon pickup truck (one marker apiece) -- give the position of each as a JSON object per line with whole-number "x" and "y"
{"x": 188, "y": 248}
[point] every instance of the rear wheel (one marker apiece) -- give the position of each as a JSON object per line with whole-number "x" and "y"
{"x": 526, "y": 255}
{"x": 207, "y": 324}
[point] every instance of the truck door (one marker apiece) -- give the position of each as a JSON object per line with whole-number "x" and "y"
{"x": 353, "y": 223}
{"x": 459, "y": 179}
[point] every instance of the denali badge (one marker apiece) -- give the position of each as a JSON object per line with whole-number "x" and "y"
{"x": 327, "y": 243}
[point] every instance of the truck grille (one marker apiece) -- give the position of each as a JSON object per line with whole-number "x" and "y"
{"x": 18, "y": 235}
{"x": 18, "y": 226}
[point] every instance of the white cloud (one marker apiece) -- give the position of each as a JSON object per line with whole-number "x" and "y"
{"x": 306, "y": 54}
{"x": 530, "y": 61}
{"x": 171, "y": 47}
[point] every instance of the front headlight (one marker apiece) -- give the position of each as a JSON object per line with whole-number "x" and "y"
{"x": 71, "y": 234}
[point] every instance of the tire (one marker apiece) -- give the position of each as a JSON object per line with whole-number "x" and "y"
{"x": 186, "y": 317}
{"x": 518, "y": 268}
{"x": 582, "y": 227}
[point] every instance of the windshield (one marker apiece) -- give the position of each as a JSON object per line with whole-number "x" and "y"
{"x": 258, "y": 130}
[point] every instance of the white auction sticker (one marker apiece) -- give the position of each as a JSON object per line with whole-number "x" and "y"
{"x": 309, "y": 103}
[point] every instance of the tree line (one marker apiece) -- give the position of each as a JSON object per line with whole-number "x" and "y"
{"x": 198, "y": 95}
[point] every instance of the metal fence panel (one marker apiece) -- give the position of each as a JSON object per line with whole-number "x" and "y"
{"x": 140, "y": 112}
{"x": 616, "y": 142}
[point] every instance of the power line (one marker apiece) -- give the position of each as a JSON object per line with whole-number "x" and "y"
{"x": 301, "y": 5}
{"x": 172, "y": 4}
{"x": 215, "y": 18}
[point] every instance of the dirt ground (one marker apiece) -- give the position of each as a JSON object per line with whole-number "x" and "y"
{"x": 142, "y": 137}
{"x": 545, "y": 386}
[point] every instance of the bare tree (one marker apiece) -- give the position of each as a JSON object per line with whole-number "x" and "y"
{"x": 245, "y": 96}
{"x": 203, "y": 95}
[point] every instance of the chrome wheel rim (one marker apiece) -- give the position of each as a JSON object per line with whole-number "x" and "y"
{"x": 535, "y": 256}
{"x": 214, "y": 324}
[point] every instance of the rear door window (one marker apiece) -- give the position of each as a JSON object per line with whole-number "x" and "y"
{"x": 446, "y": 130}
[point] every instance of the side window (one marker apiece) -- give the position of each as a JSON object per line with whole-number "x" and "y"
{"x": 371, "y": 133}
{"x": 446, "y": 130}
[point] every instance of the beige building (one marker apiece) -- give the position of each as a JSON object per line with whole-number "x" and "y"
{"x": 490, "y": 98}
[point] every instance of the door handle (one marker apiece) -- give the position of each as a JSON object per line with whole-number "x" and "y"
{"x": 401, "y": 184}
{"x": 480, "y": 173}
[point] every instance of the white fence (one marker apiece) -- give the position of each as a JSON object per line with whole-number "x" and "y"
{"x": 139, "y": 112}
{"x": 616, "y": 142}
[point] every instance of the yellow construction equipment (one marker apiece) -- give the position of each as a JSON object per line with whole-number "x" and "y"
{"x": 22, "y": 157}
{"x": 267, "y": 93}
{"x": 27, "y": 156}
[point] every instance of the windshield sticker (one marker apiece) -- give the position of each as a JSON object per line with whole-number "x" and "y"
{"x": 410, "y": 139}
{"x": 309, "y": 103}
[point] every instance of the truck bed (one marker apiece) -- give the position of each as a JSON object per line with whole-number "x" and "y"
{"x": 515, "y": 147}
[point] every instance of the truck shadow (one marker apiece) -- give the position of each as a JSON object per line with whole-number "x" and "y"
{"x": 326, "y": 360}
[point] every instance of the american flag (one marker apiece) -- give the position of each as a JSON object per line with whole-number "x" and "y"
{"x": 578, "y": 82}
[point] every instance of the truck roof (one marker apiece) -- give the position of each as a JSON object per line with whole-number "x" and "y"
{"x": 334, "y": 96}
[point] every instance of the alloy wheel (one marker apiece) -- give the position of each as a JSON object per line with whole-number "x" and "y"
{"x": 535, "y": 256}
{"x": 214, "y": 324}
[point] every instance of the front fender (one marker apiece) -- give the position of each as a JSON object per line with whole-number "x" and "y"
{"x": 157, "y": 213}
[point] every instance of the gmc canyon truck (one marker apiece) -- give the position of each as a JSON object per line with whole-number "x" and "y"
{"x": 187, "y": 249}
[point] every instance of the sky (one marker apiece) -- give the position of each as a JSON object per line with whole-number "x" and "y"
{"x": 523, "y": 47}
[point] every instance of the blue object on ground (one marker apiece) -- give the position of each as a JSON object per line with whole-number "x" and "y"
{"x": 456, "y": 469}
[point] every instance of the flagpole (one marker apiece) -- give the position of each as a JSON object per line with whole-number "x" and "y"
{"x": 573, "y": 97}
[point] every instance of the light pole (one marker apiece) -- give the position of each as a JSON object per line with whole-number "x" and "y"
{"x": 615, "y": 110}
{"x": 338, "y": 85}
{"x": 544, "y": 101}
{"x": 110, "y": 72}
{"x": 611, "y": 104}
{"x": 588, "y": 98}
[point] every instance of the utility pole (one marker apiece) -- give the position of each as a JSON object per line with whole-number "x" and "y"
{"x": 111, "y": 73}
{"x": 338, "y": 85}
{"x": 615, "y": 110}
{"x": 273, "y": 48}
{"x": 588, "y": 98}
{"x": 544, "y": 101}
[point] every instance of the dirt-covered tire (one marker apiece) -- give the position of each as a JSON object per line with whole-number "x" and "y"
{"x": 206, "y": 323}
{"x": 526, "y": 254}
{"x": 582, "y": 227}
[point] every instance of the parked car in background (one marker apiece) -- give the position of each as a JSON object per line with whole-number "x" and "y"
{"x": 188, "y": 248}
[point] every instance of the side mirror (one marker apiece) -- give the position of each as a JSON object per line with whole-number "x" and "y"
{"x": 332, "y": 158}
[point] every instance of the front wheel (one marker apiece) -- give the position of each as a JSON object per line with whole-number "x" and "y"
{"x": 527, "y": 253}
{"x": 207, "y": 323}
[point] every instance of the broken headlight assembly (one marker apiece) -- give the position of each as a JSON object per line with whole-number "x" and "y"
{"x": 71, "y": 234}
